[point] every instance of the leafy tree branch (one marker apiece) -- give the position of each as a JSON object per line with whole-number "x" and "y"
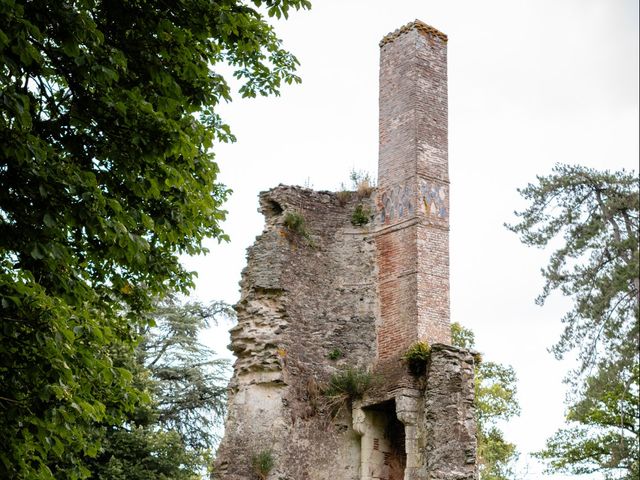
{"x": 108, "y": 116}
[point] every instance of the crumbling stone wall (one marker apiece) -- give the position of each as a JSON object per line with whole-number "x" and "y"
{"x": 448, "y": 421}
{"x": 304, "y": 299}
{"x": 319, "y": 294}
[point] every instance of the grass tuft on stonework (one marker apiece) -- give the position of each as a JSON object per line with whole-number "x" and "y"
{"x": 343, "y": 196}
{"x": 262, "y": 463}
{"x": 345, "y": 386}
{"x": 362, "y": 183}
{"x": 295, "y": 223}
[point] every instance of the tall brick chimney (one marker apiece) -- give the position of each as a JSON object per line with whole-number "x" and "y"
{"x": 413, "y": 192}
{"x": 342, "y": 297}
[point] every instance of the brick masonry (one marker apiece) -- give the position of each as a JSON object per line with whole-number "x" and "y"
{"x": 413, "y": 194}
{"x": 332, "y": 295}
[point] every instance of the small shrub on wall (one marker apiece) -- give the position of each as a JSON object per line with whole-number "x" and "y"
{"x": 417, "y": 357}
{"x": 295, "y": 224}
{"x": 360, "y": 216}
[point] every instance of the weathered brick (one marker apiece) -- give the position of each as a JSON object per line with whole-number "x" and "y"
{"x": 413, "y": 194}
{"x": 362, "y": 295}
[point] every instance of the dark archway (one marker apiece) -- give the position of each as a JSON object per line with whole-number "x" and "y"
{"x": 384, "y": 451}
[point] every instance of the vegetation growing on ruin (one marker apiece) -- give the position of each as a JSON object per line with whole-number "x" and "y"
{"x": 335, "y": 354}
{"x": 295, "y": 224}
{"x": 362, "y": 183}
{"x": 417, "y": 357}
{"x": 361, "y": 215}
{"x": 347, "y": 385}
{"x": 262, "y": 463}
{"x": 343, "y": 196}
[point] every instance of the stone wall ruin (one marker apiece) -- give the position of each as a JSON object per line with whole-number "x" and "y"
{"x": 321, "y": 295}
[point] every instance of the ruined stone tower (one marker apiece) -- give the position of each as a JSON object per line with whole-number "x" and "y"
{"x": 322, "y": 296}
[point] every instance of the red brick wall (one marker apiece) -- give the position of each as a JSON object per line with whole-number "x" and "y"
{"x": 413, "y": 194}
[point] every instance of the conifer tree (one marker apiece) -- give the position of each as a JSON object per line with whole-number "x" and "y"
{"x": 174, "y": 434}
{"x": 593, "y": 217}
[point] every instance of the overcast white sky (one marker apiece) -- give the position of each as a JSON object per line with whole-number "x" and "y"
{"x": 531, "y": 83}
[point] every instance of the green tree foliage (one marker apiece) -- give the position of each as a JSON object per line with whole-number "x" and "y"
{"x": 173, "y": 436}
{"x": 591, "y": 219}
{"x": 107, "y": 117}
{"x": 603, "y": 426}
{"x": 144, "y": 453}
{"x": 594, "y": 216}
{"x": 188, "y": 381}
{"x": 495, "y": 393}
